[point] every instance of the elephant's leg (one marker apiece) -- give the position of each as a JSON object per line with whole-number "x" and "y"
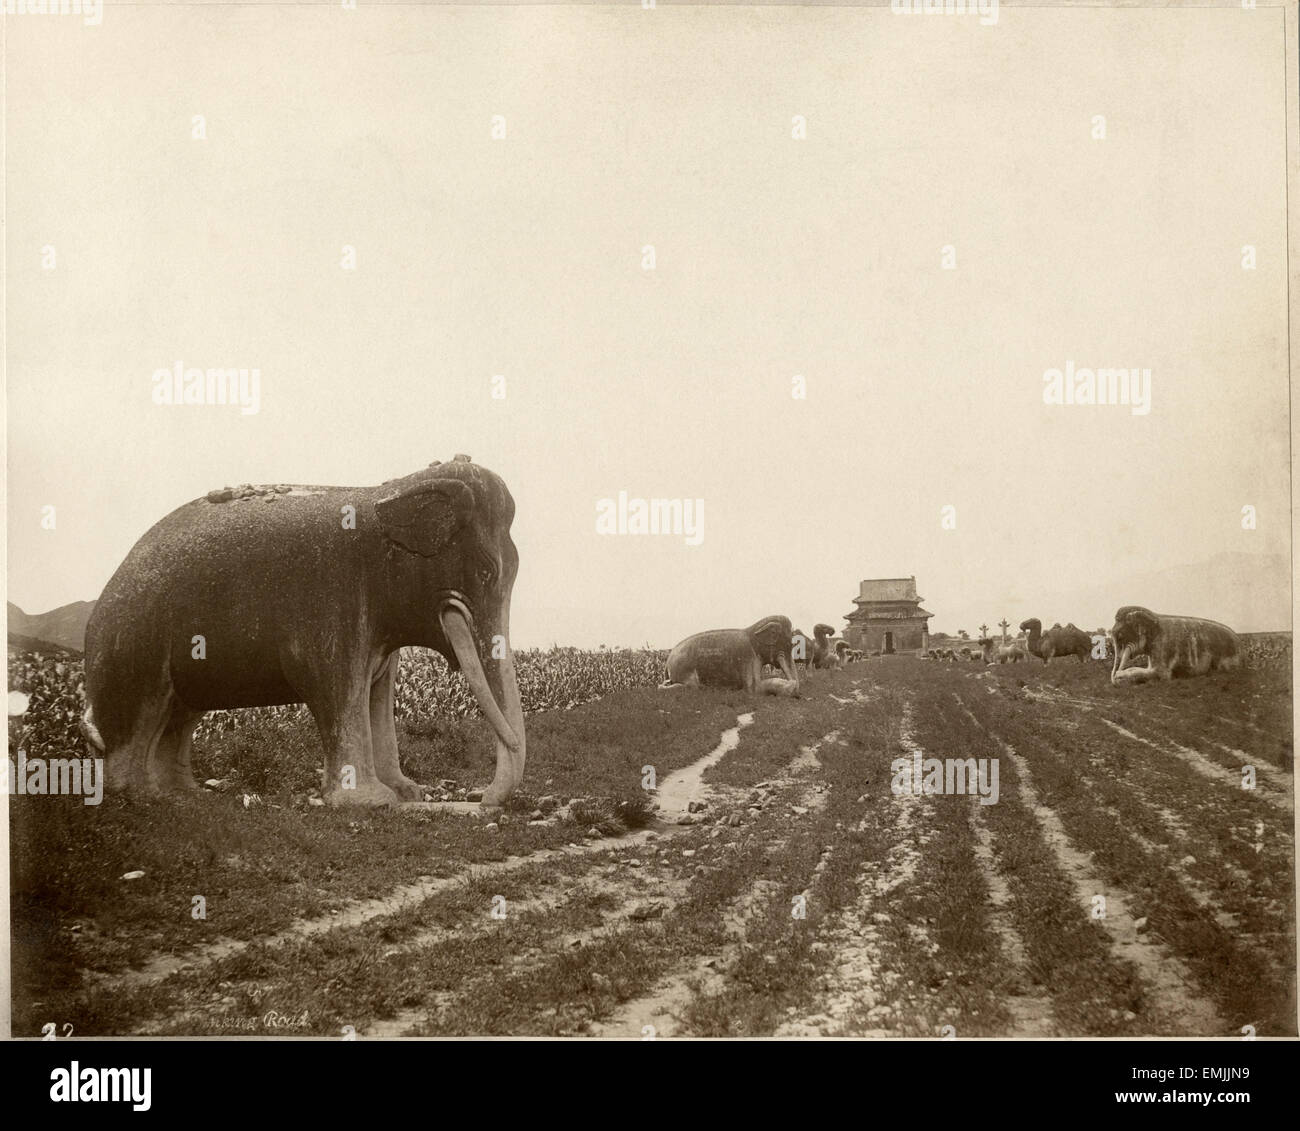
{"x": 383, "y": 734}
{"x": 342, "y": 716}
{"x": 171, "y": 769}
{"x": 680, "y": 679}
{"x": 130, "y": 765}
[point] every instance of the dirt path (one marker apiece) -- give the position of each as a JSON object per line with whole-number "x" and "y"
{"x": 1031, "y": 1007}
{"x": 680, "y": 788}
{"x": 657, "y": 1013}
{"x": 1270, "y": 795}
{"x": 858, "y": 982}
{"x": 1178, "y": 1009}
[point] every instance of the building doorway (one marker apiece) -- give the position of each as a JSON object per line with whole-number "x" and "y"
{"x": 889, "y": 644}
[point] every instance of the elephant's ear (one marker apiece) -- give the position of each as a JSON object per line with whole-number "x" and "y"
{"x": 423, "y": 517}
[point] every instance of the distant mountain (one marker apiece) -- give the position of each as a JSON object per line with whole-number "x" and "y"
{"x": 1247, "y": 592}
{"x": 64, "y": 626}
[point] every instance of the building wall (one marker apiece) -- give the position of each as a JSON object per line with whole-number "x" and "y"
{"x": 909, "y": 635}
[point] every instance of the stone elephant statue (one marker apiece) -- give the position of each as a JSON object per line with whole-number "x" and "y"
{"x": 1174, "y": 646}
{"x": 272, "y": 595}
{"x": 734, "y": 657}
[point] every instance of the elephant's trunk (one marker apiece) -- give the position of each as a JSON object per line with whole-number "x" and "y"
{"x": 495, "y": 689}
{"x": 787, "y": 667}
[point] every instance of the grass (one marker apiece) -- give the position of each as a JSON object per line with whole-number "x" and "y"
{"x": 569, "y": 954}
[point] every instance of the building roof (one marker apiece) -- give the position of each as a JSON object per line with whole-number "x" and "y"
{"x": 887, "y": 589}
{"x": 862, "y": 616}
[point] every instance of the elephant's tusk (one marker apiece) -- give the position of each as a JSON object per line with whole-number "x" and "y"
{"x": 455, "y": 623}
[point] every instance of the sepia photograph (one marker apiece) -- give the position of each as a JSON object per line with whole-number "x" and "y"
{"x": 649, "y": 521}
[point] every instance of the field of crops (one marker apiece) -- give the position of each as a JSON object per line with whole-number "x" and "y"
{"x": 553, "y": 679}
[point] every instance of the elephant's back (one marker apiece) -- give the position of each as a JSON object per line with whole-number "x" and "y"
{"x": 1203, "y": 635}
{"x": 218, "y": 564}
{"x": 276, "y": 526}
{"x": 718, "y": 655}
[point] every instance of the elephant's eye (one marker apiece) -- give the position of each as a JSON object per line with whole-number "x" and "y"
{"x": 487, "y": 570}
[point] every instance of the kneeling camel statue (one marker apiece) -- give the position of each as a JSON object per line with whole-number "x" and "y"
{"x": 1056, "y": 641}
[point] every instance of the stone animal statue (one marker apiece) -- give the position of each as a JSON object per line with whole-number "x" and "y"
{"x": 995, "y": 651}
{"x": 1056, "y": 641}
{"x": 823, "y": 653}
{"x": 842, "y": 652}
{"x": 734, "y": 657}
{"x": 1174, "y": 646}
{"x": 293, "y": 594}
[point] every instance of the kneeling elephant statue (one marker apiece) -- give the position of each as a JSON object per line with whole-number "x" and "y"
{"x": 1173, "y": 645}
{"x": 271, "y": 595}
{"x": 734, "y": 657}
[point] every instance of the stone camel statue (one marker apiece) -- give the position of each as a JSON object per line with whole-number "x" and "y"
{"x": 823, "y": 653}
{"x": 1173, "y": 646}
{"x": 734, "y": 657}
{"x": 270, "y": 595}
{"x": 1056, "y": 641}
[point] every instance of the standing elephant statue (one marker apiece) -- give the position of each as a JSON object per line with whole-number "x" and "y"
{"x": 734, "y": 658}
{"x": 271, "y": 595}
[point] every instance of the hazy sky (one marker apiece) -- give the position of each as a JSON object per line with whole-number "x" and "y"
{"x": 774, "y": 257}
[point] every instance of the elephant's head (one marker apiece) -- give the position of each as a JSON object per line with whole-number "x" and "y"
{"x": 1135, "y": 629}
{"x": 453, "y": 519}
{"x": 771, "y": 639}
